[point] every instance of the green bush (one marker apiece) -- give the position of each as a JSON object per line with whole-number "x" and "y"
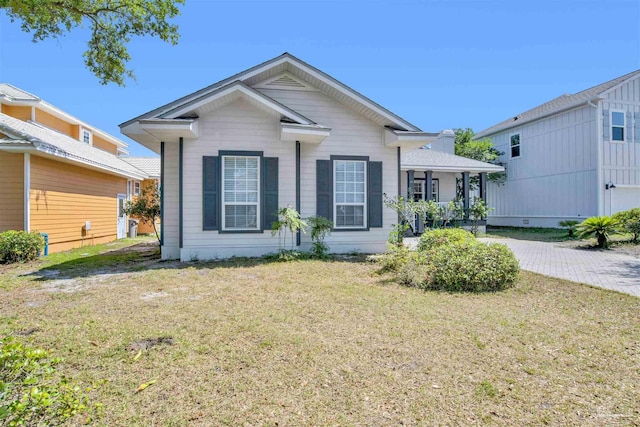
{"x": 443, "y": 236}
{"x": 31, "y": 394}
{"x": 602, "y": 227}
{"x": 472, "y": 266}
{"x": 629, "y": 222}
{"x": 19, "y": 246}
{"x": 394, "y": 259}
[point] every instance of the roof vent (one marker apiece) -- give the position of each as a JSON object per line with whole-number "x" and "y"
{"x": 285, "y": 81}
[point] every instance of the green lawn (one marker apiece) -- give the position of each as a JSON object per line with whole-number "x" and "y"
{"x": 529, "y": 233}
{"x": 325, "y": 343}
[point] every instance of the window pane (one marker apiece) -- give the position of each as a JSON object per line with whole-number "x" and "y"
{"x": 617, "y": 134}
{"x": 241, "y": 185}
{"x": 241, "y": 216}
{"x": 617, "y": 118}
{"x": 515, "y": 140}
{"x": 515, "y": 151}
{"x": 349, "y": 216}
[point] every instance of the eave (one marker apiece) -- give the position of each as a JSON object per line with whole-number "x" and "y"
{"x": 408, "y": 139}
{"x": 312, "y": 134}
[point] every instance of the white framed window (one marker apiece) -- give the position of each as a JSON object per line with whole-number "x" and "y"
{"x": 617, "y": 126}
{"x": 136, "y": 188}
{"x": 240, "y": 193}
{"x": 86, "y": 136}
{"x": 514, "y": 144}
{"x": 350, "y": 193}
{"x": 418, "y": 190}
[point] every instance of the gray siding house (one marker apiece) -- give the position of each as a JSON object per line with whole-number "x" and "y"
{"x": 282, "y": 133}
{"x": 573, "y": 157}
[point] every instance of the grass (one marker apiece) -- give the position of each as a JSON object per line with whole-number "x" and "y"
{"x": 530, "y": 233}
{"x": 327, "y": 343}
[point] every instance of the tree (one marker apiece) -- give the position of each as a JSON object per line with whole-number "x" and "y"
{"x": 482, "y": 150}
{"x": 602, "y": 227}
{"x": 112, "y": 24}
{"x": 146, "y": 206}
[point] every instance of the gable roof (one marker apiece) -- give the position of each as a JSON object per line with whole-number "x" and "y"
{"x": 14, "y": 94}
{"x": 290, "y": 64}
{"x": 30, "y": 135}
{"x": 148, "y": 165}
{"x": 427, "y": 159}
{"x": 556, "y": 105}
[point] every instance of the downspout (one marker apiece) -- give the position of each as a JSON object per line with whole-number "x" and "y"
{"x": 161, "y": 194}
{"x": 298, "y": 236}
{"x": 27, "y": 191}
{"x": 180, "y": 192}
{"x": 599, "y": 148}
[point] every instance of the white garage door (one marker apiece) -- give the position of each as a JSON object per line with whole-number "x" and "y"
{"x": 623, "y": 199}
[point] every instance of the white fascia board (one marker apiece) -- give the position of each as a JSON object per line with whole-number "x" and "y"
{"x": 247, "y": 91}
{"x": 56, "y": 112}
{"x": 308, "y": 134}
{"x": 169, "y": 130}
{"x": 451, "y": 168}
{"x": 408, "y": 139}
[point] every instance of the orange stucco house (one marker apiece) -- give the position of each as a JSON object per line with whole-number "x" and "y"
{"x": 60, "y": 175}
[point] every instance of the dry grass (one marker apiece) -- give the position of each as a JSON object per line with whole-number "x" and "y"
{"x": 331, "y": 343}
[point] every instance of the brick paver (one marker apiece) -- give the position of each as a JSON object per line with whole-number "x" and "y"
{"x": 605, "y": 269}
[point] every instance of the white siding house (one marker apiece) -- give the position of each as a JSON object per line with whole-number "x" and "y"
{"x": 282, "y": 133}
{"x": 573, "y": 157}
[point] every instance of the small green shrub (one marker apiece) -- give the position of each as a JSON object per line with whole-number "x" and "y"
{"x": 20, "y": 246}
{"x": 570, "y": 225}
{"x": 443, "y": 236}
{"x": 472, "y": 266}
{"x": 629, "y": 222}
{"x": 31, "y": 393}
{"x": 394, "y": 259}
{"x": 320, "y": 228}
{"x": 416, "y": 271}
{"x": 602, "y": 227}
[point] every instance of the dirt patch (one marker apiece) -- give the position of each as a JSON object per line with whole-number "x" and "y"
{"x": 149, "y": 343}
{"x": 153, "y": 295}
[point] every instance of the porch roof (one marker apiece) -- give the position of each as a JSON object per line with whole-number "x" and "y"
{"x": 424, "y": 159}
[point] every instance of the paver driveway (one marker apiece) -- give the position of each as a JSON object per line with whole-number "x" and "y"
{"x": 604, "y": 269}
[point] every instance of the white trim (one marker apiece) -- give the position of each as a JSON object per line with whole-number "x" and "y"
{"x": 33, "y": 113}
{"x": 245, "y": 90}
{"x": 363, "y": 204}
{"x": 27, "y": 192}
{"x": 256, "y": 203}
{"x": 136, "y": 192}
{"x": 88, "y": 132}
{"x": 599, "y": 156}
{"x": 406, "y": 167}
{"x": 614, "y": 88}
{"x": 511, "y": 135}
{"x": 538, "y": 216}
{"x": 624, "y": 126}
{"x": 625, "y": 186}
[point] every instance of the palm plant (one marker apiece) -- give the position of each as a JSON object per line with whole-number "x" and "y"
{"x": 570, "y": 225}
{"x": 602, "y": 227}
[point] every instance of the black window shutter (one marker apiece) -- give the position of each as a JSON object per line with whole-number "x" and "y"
{"x": 269, "y": 192}
{"x": 375, "y": 194}
{"x": 324, "y": 189}
{"x": 210, "y": 192}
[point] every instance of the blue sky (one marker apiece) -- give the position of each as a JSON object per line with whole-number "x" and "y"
{"x": 439, "y": 64}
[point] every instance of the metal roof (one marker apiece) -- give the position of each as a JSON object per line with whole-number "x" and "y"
{"x": 556, "y": 105}
{"x": 428, "y": 159}
{"x": 13, "y": 93}
{"x": 57, "y": 144}
{"x": 148, "y": 165}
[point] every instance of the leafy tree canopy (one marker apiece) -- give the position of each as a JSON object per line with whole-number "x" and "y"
{"x": 112, "y": 24}
{"x": 482, "y": 150}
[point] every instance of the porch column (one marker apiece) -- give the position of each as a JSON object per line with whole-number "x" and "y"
{"x": 428, "y": 184}
{"x": 465, "y": 194}
{"x": 483, "y": 186}
{"x": 410, "y": 179}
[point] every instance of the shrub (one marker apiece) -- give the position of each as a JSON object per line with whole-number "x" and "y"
{"x": 20, "y": 246}
{"x": 570, "y": 225}
{"x": 30, "y": 391}
{"x": 472, "y": 266}
{"x": 320, "y": 228}
{"x": 394, "y": 259}
{"x": 602, "y": 227}
{"x": 443, "y": 236}
{"x": 630, "y": 222}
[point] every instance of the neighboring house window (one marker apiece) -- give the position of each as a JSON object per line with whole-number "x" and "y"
{"x": 515, "y": 145}
{"x": 350, "y": 195}
{"x": 617, "y": 126}
{"x": 86, "y": 136}
{"x": 435, "y": 190}
{"x": 417, "y": 190}
{"x": 136, "y": 188}
{"x": 240, "y": 192}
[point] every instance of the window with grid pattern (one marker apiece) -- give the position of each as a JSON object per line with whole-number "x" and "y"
{"x": 350, "y": 183}
{"x": 241, "y": 192}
